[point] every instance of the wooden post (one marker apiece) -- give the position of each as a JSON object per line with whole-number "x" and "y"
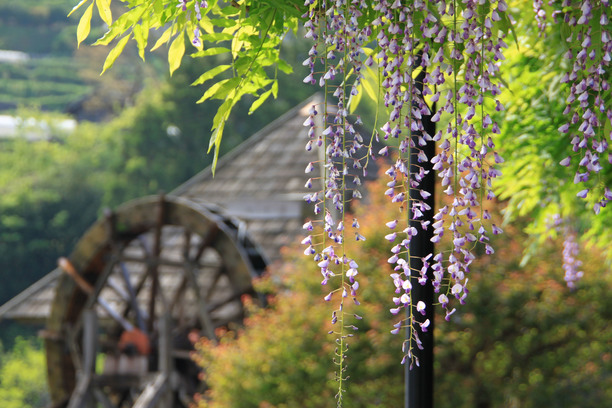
{"x": 82, "y": 395}
{"x": 419, "y": 381}
{"x": 158, "y": 392}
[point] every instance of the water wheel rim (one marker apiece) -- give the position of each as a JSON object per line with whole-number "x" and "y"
{"x": 128, "y": 222}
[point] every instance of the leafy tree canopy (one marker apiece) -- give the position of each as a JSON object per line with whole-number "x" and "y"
{"x": 437, "y": 61}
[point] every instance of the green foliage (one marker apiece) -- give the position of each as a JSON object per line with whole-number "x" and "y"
{"x": 34, "y": 26}
{"x": 523, "y": 339}
{"x": 46, "y": 202}
{"x": 250, "y": 33}
{"x": 533, "y": 182}
{"x": 23, "y": 377}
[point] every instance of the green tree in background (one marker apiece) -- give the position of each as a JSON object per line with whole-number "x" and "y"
{"x": 23, "y": 380}
{"x": 46, "y": 202}
{"x": 533, "y": 344}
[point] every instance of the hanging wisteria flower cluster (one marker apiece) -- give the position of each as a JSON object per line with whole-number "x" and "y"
{"x": 460, "y": 56}
{"x": 443, "y": 53}
{"x": 337, "y": 38}
{"x": 571, "y": 249}
{"x": 198, "y": 5}
{"x": 588, "y": 104}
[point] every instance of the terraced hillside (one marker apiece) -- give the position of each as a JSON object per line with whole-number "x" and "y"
{"x": 41, "y": 67}
{"x": 50, "y": 83}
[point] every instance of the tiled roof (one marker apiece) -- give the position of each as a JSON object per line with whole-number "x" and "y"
{"x": 261, "y": 182}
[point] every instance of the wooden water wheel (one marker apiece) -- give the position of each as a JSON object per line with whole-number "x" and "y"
{"x": 140, "y": 285}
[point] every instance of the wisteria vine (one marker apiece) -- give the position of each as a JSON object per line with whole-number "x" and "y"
{"x": 438, "y": 59}
{"x": 337, "y": 38}
{"x": 588, "y": 103}
{"x": 457, "y": 58}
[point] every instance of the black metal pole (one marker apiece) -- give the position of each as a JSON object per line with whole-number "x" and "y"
{"x": 419, "y": 381}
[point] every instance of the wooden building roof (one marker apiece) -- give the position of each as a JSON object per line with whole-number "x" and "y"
{"x": 260, "y": 184}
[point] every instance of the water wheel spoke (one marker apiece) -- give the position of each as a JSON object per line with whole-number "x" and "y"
{"x": 202, "y": 307}
{"x": 152, "y": 267}
{"x": 137, "y": 289}
{"x": 214, "y": 284}
{"x": 166, "y": 265}
{"x": 179, "y": 298}
{"x": 186, "y": 244}
{"x": 207, "y": 241}
{"x": 141, "y": 315}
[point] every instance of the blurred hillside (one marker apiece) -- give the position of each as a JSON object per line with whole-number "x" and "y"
{"x": 41, "y": 67}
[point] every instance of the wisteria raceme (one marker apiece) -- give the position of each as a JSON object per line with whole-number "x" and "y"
{"x": 570, "y": 261}
{"x": 540, "y": 15}
{"x": 460, "y": 57}
{"x": 571, "y": 249}
{"x": 198, "y": 5}
{"x": 436, "y": 59}
{"x": 589, "y": 106}
{"x": 426, "y": 57}
{"x": 334, "y": 29}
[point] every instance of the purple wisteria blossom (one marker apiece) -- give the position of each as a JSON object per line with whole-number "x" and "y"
{"x": 571, "y": 264}
{"x": 588, "y": 111}
{"x": 456, "y": 55}
{"x": 335, "y": 62}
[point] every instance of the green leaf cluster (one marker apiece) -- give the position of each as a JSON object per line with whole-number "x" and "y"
{"x": 249, "y": 32}
{"x": 23, "y": 377}
{"x": 534, "y": 184}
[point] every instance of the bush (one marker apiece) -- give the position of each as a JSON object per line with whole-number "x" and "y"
{"x": 23, "y": 377}
{"x": 523, "y": 339}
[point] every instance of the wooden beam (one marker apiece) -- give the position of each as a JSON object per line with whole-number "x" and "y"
{"x": 67, "y": 266}
{"x": 82, "y": 397}
{"x": 152, "y": 392}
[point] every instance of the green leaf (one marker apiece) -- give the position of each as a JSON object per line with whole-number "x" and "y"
{"x": 218, "y": 126}
{"x": 141, "y": 36}
{"x": 259, "y": 101}
{"x": 217, "y": 37}
{"x": 507, "y": 26}
{"x": 222, "y": 114}
{"x": 105, "y": 11}
{"x": 354, "y": 100}
{"x": 370, "y": 78}
{"x": 176, "y": 52}
{"x": 275, "y": 89}
{"x": 230, "y": 11}
{"x": 158, "y": 7}
{"x": 283, "y": 66}
{"x": 84, "y": 25}
{"x": 210, "y": 74}
{"x": 163, "y": 38}
{"x": 75, "y": 8}
{"x": 221, "y": 89}
{"x": 110, "y": 35}
{"x": 216, "y": 136}
{"x": 114, "y": 53}
{"x": 121, "y": 25}
{"x": 223, "y": 22}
